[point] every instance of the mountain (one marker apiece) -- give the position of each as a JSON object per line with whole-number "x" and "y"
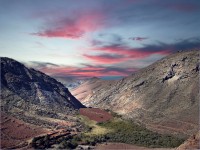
{"x": 28, "y": 91}
{"x": 70, "y": 83}
{"x": 85, "y": 90}
{"x": 163, "y": 96}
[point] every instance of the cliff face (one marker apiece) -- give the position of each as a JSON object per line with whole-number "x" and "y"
{"x": 164, "y": 96}
{"x": 27, "y": 90}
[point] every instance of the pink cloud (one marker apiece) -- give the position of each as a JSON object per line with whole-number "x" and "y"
{"x": 87, "y": 71}
{"x": 98, "y": 74}
{"x": 71, "y": 33}
{"x": 54, "y": 70}
{"x": 135, "y": 53}
{"x": 117, "y": 53}
{"x": 105, "y": 59}
{"x": 80, "y": 24}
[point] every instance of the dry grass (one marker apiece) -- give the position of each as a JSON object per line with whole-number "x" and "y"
{"x": 96, "y": 129}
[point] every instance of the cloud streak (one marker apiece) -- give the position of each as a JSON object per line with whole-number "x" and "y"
{"x": 147, "y": 49}
{"x": 86, "y": 71}
{"x": 106, "y": 58}
{"x": 113, "y": 53}
{"x": 72, "y": 27}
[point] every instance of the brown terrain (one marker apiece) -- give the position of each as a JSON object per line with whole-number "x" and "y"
{"x": 193, "y": 143}
{"x": 118, "y": 146}
{"x": 164, "y": 96}
{"x": 16, "y": 133}
{"x": 95, "y": 114}
{"x": 123, "y": 146}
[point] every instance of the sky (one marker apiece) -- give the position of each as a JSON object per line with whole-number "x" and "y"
{"x": 96, "y": 38}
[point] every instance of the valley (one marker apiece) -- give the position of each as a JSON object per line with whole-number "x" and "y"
{"x": 116, "y": 130}
{"x": 156, "y": 107}
{"x": 99, "y": 75}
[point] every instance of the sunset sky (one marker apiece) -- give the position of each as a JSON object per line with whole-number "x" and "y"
{"x": 102, "y": 38}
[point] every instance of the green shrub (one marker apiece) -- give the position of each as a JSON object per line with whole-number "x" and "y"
{"x": 128, "y": 132}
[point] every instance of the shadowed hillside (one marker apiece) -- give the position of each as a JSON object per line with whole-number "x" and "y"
{"x": 28, "y": 92}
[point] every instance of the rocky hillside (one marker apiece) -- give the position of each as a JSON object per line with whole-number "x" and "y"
{"x": 28, "y": 91}
{"x": 164, "y": 96}
{"x": 84, "y": 91}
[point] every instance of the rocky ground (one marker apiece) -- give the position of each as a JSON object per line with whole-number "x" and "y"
{"x": 95, "y": 114}
{"x": 16, "y": 133}
{"x": 192, "y": 143}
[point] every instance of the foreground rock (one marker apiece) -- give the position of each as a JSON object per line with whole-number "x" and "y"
{"x": 164, "y": 96}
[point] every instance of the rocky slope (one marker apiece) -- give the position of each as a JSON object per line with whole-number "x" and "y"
{"x": 29, "y": 92}
{"x": 193, "y": 143}
{"x": 85, "y": 90}
{"x": 164, "y": 96}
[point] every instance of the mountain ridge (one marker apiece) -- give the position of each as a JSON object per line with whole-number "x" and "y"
{"x": 24, "y": 89}
{"x": 163, "y": 96}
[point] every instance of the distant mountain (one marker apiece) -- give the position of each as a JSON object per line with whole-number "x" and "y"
{"x": 28, "y": 91}
{"x": 85, "y": 90}
{"x": 70, "y": 83}
{"x": 164, "y": 96}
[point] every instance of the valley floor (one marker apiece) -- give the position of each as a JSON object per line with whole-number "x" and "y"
{"x": 95, "y": 128}
{"x": 120, "y": 146}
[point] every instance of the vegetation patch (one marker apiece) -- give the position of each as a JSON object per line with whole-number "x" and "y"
{"x": 115, "y": 130}
{"x": 91, "y": 128}
{"x": 124, "y": 131}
